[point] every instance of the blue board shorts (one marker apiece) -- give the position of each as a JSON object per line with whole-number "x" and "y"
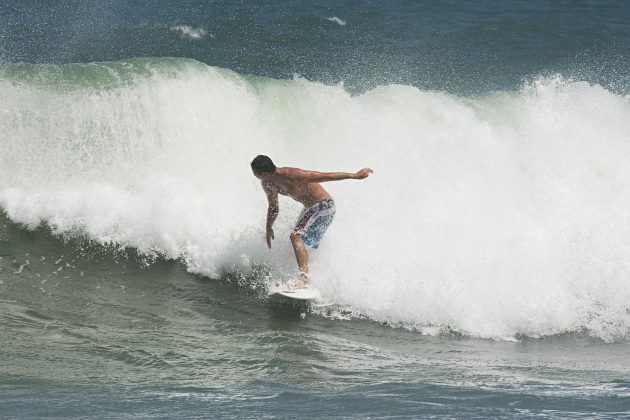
{"x": 314, "y": 222}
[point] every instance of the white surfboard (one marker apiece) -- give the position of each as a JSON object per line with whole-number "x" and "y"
{"x": 306, "y": 294}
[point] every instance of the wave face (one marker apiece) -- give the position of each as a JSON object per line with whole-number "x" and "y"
{"x": 494, "y": 216}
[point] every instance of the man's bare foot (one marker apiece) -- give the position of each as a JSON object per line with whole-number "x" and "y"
{"x": 303, "y": 282}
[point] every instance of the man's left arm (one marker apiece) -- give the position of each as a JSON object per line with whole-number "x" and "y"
{"x": 314, "y": 176}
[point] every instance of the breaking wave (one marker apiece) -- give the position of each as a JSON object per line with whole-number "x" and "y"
{"x": 494, "y": 216}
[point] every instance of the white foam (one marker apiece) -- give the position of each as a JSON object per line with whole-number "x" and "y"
{"x": 338, "y": 21}
{"x": 494, "y": 216}
{"x": 190, "y": 32}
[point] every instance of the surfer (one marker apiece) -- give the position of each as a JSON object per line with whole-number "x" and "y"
{"x": 302, "y": 186}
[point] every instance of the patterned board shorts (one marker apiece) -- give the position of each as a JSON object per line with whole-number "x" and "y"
{"x": 314, "y": 221}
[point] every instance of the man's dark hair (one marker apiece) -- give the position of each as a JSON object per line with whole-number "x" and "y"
{"x": 262, "y": 163}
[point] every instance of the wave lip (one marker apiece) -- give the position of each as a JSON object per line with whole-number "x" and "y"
{"x": 494, "y": 216}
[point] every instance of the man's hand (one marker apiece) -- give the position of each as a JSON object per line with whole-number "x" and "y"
{"x": 270, "y": 236}
{"x": 362, "y": 174}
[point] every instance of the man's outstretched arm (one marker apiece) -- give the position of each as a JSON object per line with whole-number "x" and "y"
{"x": 314, "y": 176}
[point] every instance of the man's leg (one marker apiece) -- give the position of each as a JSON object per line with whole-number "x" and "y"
{"x": 301, "y": 255}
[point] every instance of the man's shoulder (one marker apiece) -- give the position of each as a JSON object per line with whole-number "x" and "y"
{"x": 267, "y": 185}
{"x": 290, "y": 173}
{"x": 270, "y": 186}
{"x": 284, "y": 171}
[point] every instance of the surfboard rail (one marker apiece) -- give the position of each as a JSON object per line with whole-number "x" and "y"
{"x": 305, "y": 294}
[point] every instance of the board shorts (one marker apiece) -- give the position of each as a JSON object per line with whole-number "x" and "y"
{"x": 314, "y": 222}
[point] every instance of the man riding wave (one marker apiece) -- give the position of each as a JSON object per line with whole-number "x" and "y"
{"x": 304, "y": 187}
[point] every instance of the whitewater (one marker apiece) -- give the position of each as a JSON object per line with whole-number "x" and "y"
{"x": 495, "y": 216}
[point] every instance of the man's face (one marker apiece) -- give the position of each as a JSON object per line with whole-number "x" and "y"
{"x": 261, "y": 175}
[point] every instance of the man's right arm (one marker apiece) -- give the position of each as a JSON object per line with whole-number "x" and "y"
{"x": 272, "y": 213}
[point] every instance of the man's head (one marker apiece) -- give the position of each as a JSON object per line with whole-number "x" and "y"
{"x": 262, "y": 165}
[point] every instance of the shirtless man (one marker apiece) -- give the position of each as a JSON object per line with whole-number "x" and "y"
{"x": 302, "y": 186}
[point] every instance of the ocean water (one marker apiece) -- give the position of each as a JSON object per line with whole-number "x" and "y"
{"x": 482, "y": 271}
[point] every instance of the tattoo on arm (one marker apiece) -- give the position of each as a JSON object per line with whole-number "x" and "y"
{"x": 273, "y": 209}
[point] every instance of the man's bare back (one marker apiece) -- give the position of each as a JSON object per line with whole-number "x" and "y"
{"x": 285, "y": 183}
{"x": 304, "y": 187}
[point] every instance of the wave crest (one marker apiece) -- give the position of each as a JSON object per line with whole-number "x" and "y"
{"x": 494, "y": 216}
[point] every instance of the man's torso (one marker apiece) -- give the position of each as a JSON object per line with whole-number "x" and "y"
{"x": 307, "y": 193}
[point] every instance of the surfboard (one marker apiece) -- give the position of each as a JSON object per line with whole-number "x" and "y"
{"x": 307, "y": 294}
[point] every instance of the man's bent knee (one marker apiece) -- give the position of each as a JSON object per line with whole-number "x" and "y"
{"x": 295, "y": 237}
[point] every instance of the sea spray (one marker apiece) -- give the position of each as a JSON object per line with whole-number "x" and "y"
{"x": 493, "y": 216}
